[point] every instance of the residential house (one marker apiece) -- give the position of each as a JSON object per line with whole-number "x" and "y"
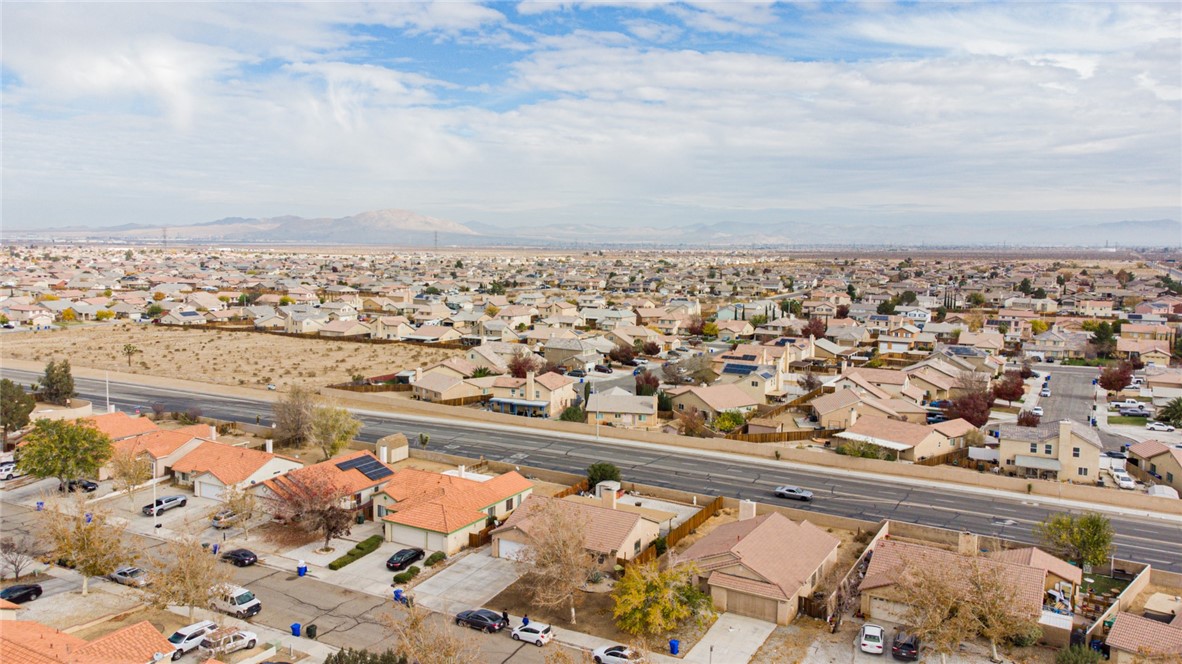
{"x": 434, "y": 334}
{"x": 30, "y": 642}
{"x": 211, "y": 468}
{"x": 1058, "y": 344}
{"x": 391, "y": 327}
{"x": 120, "y": 425}
{"x": 609, "y": 535}
{"x": 1148, "y": 351}
{"x": 163, "y": 447}
{"x": 1135, "y": 639}
{"x": 437, "y": 512}
{"x": 837, "y": 410}
{"x": 713, "y": 400}
{"x": 356, "y": 477}
{"x": 1157, "y": 462}
{"x": 760, "y": 566}
{"x": 546, "y": 395}
{"x": 1095, "y": 308}
{"x": 991, "y": 343}
{"x": 440, "y": 386}
{"x": 182, "y": 317}
{"x": 907, "y": 440}
{"x": 1062, "y": 450}
{"x": 619, "y": 408}
{"x": 344, "y": 327}
{"x": 730, "y": 330}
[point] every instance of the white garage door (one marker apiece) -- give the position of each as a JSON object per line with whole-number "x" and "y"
{"x": 510, "y": 550}
{"x": 209, "y": 490}
{"x": 886, "y": 610}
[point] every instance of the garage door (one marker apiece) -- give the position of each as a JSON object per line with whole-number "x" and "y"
{"x": 886, "y": 610}
{"x": 751, "y": 605}
{"x": 208, "y": 490}
{"x": 509, "y": 549}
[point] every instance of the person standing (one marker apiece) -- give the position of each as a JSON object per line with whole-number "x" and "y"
{"x": 505, "y": 617}
{"x": 525, "y": 620}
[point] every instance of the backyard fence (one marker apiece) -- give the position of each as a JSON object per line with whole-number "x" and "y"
{"x": 464, "y": 401}
{"x": 385, "y": 387}
{"x": 784, "y": 436}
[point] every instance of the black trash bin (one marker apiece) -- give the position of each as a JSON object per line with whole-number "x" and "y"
{"x": 310, "y": 630}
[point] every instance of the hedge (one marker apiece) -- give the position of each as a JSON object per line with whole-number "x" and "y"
{"x": 405, "y": 577}
{"x": 367, "y": 545}
{"x": 436, "y": 558}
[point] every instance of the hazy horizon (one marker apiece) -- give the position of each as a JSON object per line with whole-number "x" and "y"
{"x": 661, "y": 115}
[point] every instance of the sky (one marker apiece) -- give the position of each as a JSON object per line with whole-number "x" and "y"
{"x": 605, "y": 113}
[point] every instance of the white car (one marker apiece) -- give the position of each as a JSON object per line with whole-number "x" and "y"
{"x": 1037, "y": 410}
{"x": 1045, "y": 393}
{"x": 871, "y": 638}
{"x": 8, "y": 470}
{"x": 1158, "y": 426}
{"x": 1123, "y": 480}
{"x": 130, "y": 576}
{"x": 189, "y": 637}
{"x": 536, "y": 633}
{"x": 227, "y": 640}
{"x": 617, "y": 655}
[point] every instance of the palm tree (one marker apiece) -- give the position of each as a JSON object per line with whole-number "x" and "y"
{"x": 1171, "y": 413}
{"x": 129, "y": 350}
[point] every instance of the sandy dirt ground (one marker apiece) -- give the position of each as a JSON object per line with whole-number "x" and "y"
{"x": 224, "y": 358}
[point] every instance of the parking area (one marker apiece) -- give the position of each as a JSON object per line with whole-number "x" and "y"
{"x": 467, "y": 583}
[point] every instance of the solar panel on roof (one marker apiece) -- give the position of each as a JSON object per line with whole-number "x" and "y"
{"x": 354, "y": 462}
{"x": 378, "y": 472}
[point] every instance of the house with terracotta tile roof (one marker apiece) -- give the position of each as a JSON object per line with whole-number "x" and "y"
{"x": 211, "y": 468}
{"x": 760, "y": 566}
{"x": 28, "y": 642}
{"x": 610, "y": 534}
{"x": 907, "y": 440}
{"x": 1134, "y": 639}
{"x": 8, "y": 610}
{"x": 119, "y": 425}
{"x": 163, "y": 447}
{"x": 437, "y": 512}
{"x": 356, "y": 476}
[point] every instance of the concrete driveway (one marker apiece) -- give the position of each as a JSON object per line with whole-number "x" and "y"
{"x": 467, "y": 583}
{"x": 732, "y": 638}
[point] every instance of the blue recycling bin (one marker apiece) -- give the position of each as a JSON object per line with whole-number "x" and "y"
{"x": 295, "y": 629}
{"x": 215, "y": 548}
{"x": 398, "y": 594}
{"x": 302, "y": 570}
{"x": 40, "y": 505}
{"x": 674, "y": 646}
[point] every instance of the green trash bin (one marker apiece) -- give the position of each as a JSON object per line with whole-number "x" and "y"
{"x": 360, "y": 518}
{"x": 310, "y": 630}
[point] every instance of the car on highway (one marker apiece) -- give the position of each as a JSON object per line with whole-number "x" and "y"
{"x": 536, "y": 633}
{"x": 1158, "y": 426}
{"x": 78, "y": 485}
{"x": 905, "y": 646}
{"x": 130, "y": 576}
{"x": 163, "y": 504}
{"x": 870, "y": 639}
{"x": 19, "y": 594}
{"x": 240, "y": 557}
{"x": 1037, "y": 410}
{"x": 617, "y": 654}
{"x": 403, "y": 559}
{"x": 482, "y": 619}
{"x": 793, "y": 493}
{"x": 189, "y": 637}
{"x": 227, "y": 640}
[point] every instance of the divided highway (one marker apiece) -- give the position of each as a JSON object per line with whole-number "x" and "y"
{"x": 1157, "y": 542}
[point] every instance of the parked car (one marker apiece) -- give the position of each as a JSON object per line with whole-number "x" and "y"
{"x": 403, "y": 559}
{"x": 482, "y": 619}
{"x": 603, "y": 368}
{"x": 1135, "y": 412}
{"x": 130, "y": 576}
{"x": 240, "y": 557}
{"x": 236, "y": 601}
{"x": 1123, "y": 480}
{"x": 1046, "y": 392}
{"x": 1158, "y": 426}
{"x": 227, "y": 640}
{"x": 870, "y": 639}
{"x": 577, "y": 373}
{"x": 224, "y": 518}
{"x": 189, "y": 637}
{"x": 617, "y": 655}
{"x": 905, "y": 646}
{"x": 536, "y": 633}
{"x": 936, "y": 418}
{"x": 271, "y": 386}
{"x": 1037, "y": 410}
{"x": 8, "y": 470}
{"x": 78, "y": 485}
{"x": 941, "y": 404}
{"x": 793, "y": 493}
{"x": 19, "y": 594}
{"x": 163, "y": 504}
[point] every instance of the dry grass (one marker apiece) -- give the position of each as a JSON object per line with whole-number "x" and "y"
{"x": 223, "y": 358}
{"x": 789, "y": 644}
{"x": 165, "y": 621}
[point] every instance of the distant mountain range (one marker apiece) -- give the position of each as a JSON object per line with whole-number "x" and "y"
{"x": 405, "y": 228}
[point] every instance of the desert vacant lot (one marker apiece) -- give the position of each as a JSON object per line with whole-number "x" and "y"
{"x": 225, "y": 358}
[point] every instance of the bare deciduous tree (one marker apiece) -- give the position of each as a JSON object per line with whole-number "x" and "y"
{"x": 17, "y": 553}
{"x": 935, "y": 611}
{"x": 294, "y": 413}
{"x": 312, "y": 501}
{"x": 187, "y": 575}
{"x": 427, "y": 639}
{"x": 556, "y": 560}
{"x": 996, "y": 609}
{"x": 83, "y": 536}
{"x": 130, "y": 470}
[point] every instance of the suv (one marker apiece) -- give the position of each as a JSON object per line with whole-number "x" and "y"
{"x": 236, "y": 601}
{"x": 227, "y": 640}
{"x": 189, "y": 637}
{"x": 577, "y": 373}
{"x": 130, "y": 576}
{"x": 163, "y": 504}
{"x": 905, "y": 646}
{"x": 224, "y": 518}
{"x": 603, "y": 368}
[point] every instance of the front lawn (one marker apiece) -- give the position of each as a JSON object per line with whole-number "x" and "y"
{"x": 1127, "y": 419}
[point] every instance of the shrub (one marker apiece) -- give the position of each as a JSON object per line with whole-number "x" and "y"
{"x": 404, "y": 577}
{"x": 368, "y": 545}
{"x": 436, "y": 558}
{"x": 661, "y": 545}
{"x": 1078, "y": 654}
{"x": 413, "y": 571}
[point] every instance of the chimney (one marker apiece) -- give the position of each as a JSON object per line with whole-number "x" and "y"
{"x": 110, "y": 408}
{"x": 418, "y": 373}
{"x": 384, "y": 453}
{"x": 746, "y": 510}
{"x": 529, "y": 385}
{"x": 268, "y": 446}
{"x": 213, "y": 433}
{"x": 968, "y": 544}
{"x": 1064, "y": 433}
{"x": 609, "y": 499}
{"x": 461, "y": 470}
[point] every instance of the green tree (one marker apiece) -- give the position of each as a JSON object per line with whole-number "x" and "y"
{"x": 1171, "y": 413}
{"x": 729, "y": 420}
{"x": 129, "y": 350}
{"x": 1039, "y": 294}
{"x": 573, "y": 414}
{"x": 758, "y": 320}
{"x": 15, "y": 406}
{"x": 57, "y": 384}
{"x": 977, "y": 299}
{"x": 65, "y": 450}
{"x": 908, "y": 297}
{"x": 154, "y": 311}
{"x": 1103, "y": 340}
{"x": 1025, "y": 287}
{"x": 601, "y": 471}
{"x": 650, "y": 601}
{"x": 886, "y": 308}
{"x": 332, "y": 429}
{"x": 1084, "y": 540}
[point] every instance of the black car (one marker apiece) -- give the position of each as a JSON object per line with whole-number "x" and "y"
{"x": 577, "y": 373}
{"x": 403, "y": 559}
{"x": 78, "y": 485}
{"x": 482, "y": 619}
{"x": 603, "y": 368}
{"x": 19, "y": 594}
{"x": 240, "y": 557}
{"x": 905, "y": 646}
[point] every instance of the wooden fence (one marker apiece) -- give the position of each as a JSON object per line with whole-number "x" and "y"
{"x": 223, "y": 327}
{"x": 783, "y": 436}
{"x": 957, "y": 457}
{"x": 481, "y": 538}
{"x": 677, "y": 534}
{"x": 464, "y": 401}
{"x": 572, "y": 489}
{"x": 384, "y": 387}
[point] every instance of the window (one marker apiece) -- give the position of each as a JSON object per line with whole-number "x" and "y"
{"x": 599, "y": 416}
{"x": 1034, "y": 448}
{"x": 636, "y": 548}
{"x": 643, "y": 417}
{"x": 509, "y": 504}
{"x": 1048, "y": 448}
{"x": 754, "y": 383}
{"x": 1170, "y": 478}
{"x": 1081, "y": 471}
{"x": 1075, "y": 452}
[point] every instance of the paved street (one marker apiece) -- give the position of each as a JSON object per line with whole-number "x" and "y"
{"x": 1151, "y": 540}
{"x": 1072, "y": 397}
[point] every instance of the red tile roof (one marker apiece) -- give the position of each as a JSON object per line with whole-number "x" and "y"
{"x": 348, "y": 482}
{"x": 1137, "y": 634}
{"x": 119, "y": 425}
{"x": 228, "y": 463}
{"x": 446, "y": 503}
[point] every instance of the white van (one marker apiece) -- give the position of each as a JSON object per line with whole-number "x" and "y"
{"x": 236, "y": 601}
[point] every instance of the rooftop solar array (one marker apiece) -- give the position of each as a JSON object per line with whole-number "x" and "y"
{"x": 368, "y": 466}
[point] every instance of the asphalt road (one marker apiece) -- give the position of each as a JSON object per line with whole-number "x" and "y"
{"x": 1154, "y": 541}
{"x": 1072, "y": 397}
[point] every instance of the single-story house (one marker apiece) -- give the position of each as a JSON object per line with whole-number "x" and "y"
{"x": 610, "y": 534}
{"x": 356, "y": 477}
{"x": 211, "y": 468}
{"x": 909, "y": 441}
{"x": 713, "y": 399}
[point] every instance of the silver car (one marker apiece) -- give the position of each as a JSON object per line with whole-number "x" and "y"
{"x": 793, "y": 493}
{"x": 130, "y": 576}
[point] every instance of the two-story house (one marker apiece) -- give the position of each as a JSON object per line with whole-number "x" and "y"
{"x": 1063, "y": 450}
